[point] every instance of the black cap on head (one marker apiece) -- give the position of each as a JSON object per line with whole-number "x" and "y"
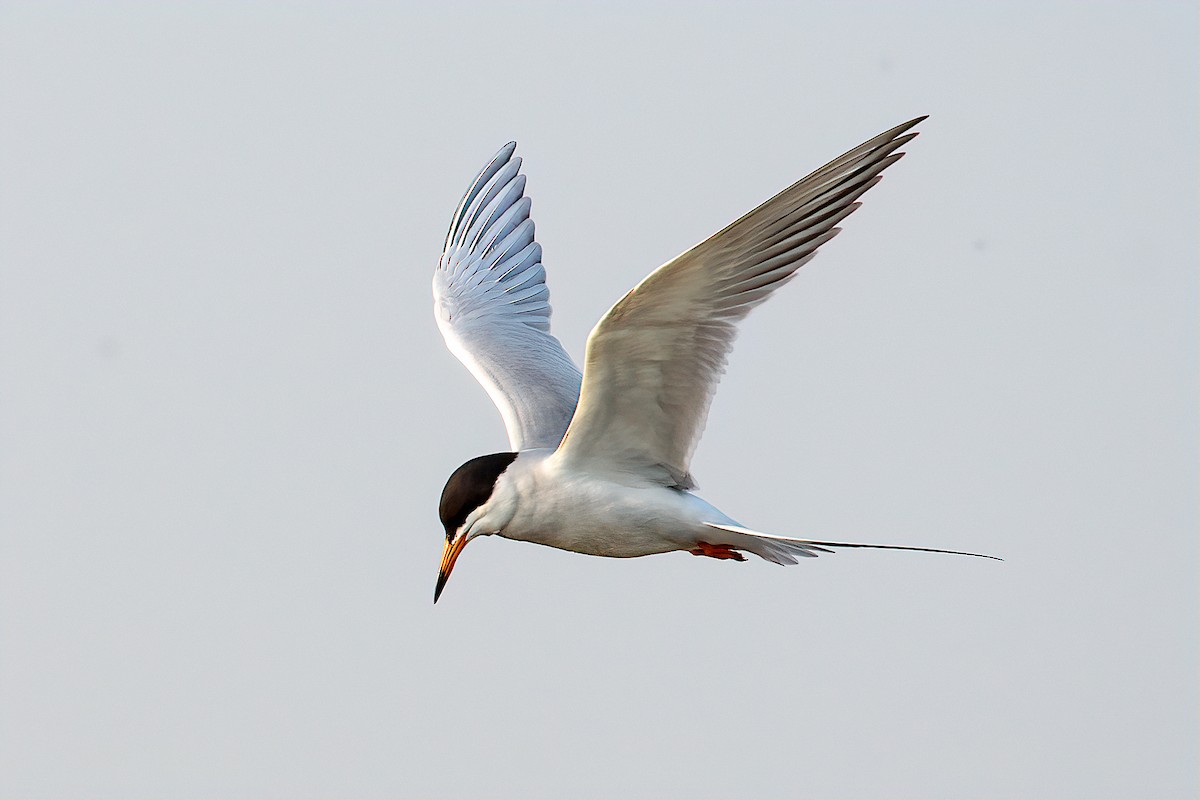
{"x": 469, "y": 487}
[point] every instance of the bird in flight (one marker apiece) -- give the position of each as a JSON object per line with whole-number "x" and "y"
{"x": 599, "y": 458}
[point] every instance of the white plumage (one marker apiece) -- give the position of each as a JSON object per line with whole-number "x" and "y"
{"x": 601, "y": 461}
{"x": 493, "y": 307}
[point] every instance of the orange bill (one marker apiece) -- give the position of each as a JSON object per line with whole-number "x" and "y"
{"x": 449, "y": 556}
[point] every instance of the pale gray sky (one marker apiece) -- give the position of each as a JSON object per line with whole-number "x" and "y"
{"x": 226, "y": 413}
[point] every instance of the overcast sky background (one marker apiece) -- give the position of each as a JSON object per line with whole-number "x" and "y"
{"x": 226, "y": 413}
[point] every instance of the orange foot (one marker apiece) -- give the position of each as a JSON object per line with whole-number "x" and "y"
{"x": 716, "y": 551}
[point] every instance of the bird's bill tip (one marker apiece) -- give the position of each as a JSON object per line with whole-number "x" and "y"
{"x": 449, "y": 556}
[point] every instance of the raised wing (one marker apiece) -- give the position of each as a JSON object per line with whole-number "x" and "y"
{"x": 654, "y": 360}
{"x": 493, "y": 308}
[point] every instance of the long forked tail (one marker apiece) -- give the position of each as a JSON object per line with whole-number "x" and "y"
{"x": 784, "y": 550}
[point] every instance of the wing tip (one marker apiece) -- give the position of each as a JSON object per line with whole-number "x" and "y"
{"x": 901, "y": 133}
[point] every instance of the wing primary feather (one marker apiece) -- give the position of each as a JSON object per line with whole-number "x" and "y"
{"x": 492, "y": 306}
{"x": 485, "y": 199}
{"x": 485, "y": 175}
{"x": 653, "y": 361}
{"x": 500, "y": 202}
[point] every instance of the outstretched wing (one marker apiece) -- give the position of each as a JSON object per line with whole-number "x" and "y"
{"x": 654, "y": 360}
{"x": 493, "y": 307}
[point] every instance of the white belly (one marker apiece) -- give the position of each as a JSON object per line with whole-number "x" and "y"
{"x": 602, "y": 517}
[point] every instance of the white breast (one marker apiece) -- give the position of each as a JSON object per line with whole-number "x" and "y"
{"x": 598, "y": 515}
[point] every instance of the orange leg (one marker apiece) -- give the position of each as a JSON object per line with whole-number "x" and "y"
{"x": 716, "y": 551}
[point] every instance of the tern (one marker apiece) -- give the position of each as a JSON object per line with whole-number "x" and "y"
{"x": 599, "y": 458}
